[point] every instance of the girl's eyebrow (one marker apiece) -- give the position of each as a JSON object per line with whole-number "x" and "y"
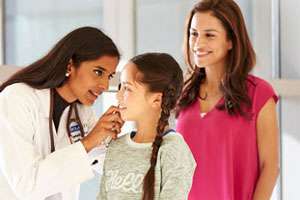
{"x": 126, "y": 82}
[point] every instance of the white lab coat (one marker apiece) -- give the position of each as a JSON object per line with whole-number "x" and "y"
{"x": 28, "y": 171}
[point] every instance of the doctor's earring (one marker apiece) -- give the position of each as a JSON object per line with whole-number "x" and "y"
{"x": 67, "y": 74}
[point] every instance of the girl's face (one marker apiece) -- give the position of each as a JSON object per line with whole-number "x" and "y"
{"x": 91, "y": 78}
{"x": 135, "y": 101}
{"x": 208, "y": 40}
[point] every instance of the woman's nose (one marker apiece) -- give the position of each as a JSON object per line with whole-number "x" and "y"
{"x": 200, "y": 42}
{"x": 104, "y": 84}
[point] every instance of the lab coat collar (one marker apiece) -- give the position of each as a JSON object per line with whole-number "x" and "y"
{"x": 44, "y": 99}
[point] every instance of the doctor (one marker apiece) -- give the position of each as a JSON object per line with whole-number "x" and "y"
{"x": 47, "y": 126}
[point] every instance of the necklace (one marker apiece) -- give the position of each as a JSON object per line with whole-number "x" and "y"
{"x": 205, "y": 96}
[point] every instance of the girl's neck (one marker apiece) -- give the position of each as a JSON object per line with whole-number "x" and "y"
{"x": 146, "y": 130}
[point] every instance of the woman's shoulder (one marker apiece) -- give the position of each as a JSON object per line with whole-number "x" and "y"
{"x": 260, "y": 91}
{"x": 19, "y": 98}
{"x": 255, "y": 83}
{"x": 18, "y": 88}
{"x": 19, "y": 92}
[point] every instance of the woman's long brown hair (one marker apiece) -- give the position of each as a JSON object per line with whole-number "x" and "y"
{"x": 240, "y": 59}
{"x": 160, "y": 73}
{"x": 82, "y": 44}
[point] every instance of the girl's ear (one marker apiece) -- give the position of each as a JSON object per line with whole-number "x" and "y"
{"x": 156, "y": 100}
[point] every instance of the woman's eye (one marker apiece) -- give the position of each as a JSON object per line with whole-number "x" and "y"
{"x": 210, "y": 35}
{"x": 98, "y": 72}
{"x": 193, "y": 33}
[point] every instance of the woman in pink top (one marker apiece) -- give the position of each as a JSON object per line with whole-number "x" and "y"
{"x": 227, "y": 116}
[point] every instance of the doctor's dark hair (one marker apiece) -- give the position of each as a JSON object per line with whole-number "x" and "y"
{"x": 240, "y": 59}
{"x": 160, "y": 73}
{"x": 82, "y": 44}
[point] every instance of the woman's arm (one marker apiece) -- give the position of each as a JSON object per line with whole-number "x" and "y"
{"x": 268, "y": 149}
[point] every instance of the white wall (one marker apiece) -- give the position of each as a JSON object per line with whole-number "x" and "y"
{"x": 289, "y": 62}
{"x": 34, "y": 26}
{"x": 6, "y": 71}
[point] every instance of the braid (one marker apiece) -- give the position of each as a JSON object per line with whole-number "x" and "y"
{"x": 166, "y": 107}
{"x": 162, "y": 74}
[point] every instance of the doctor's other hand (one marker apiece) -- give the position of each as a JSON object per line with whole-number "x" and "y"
{"x": 109, "y": 125}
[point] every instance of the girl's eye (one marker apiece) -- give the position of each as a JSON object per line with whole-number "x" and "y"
{"x": 110, "y": 77}
{"x": 123, "y": 87}
{"x": 98, "y": 72}
{"x": 127, "y": 88}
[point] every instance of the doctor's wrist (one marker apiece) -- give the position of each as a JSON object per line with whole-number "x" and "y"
{"x": 86, "y": 144}
{"x": 89, "y": 142}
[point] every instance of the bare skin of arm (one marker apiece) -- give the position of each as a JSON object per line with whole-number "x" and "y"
{"x": 268, "y": 149}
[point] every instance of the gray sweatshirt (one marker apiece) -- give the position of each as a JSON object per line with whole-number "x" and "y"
{"x": 127, "y": 163}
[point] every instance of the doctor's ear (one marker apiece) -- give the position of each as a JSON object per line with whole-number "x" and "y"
{"x": 70, "y": 68}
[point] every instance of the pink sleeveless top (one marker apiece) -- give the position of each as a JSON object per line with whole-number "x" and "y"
{"x": 224, "y": 147}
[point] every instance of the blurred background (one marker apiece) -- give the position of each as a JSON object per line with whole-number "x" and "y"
{"x": 28, "y": 29}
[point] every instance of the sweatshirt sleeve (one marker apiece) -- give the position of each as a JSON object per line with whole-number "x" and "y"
{"x": 102, "y": 193}
{"x": 30, "y": 174}
{"x": 178, "y": 166}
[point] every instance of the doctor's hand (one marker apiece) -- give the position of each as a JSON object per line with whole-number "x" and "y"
{"x": 109, "y": 125}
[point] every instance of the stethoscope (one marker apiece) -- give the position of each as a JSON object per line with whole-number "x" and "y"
{"x": 73, "y": 124}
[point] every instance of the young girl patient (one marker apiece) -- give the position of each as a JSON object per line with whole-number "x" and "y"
{"x": 153, "y": 162}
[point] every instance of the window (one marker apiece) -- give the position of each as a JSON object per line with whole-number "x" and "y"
{"x": 32, "y": 27}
